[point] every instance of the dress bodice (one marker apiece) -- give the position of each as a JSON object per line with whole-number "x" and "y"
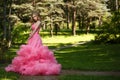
{"x": 33, "y": 27}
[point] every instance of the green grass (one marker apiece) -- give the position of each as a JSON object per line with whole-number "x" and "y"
{"x": 90, "y": 57}
{"x": 59, "y": 41}
{"x": 7, "y": 75}
{"x": 68, "y": 39}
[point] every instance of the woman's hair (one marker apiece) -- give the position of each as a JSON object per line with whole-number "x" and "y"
{"x": 36, "y": 13}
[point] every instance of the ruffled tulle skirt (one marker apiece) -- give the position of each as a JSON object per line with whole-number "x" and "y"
{"x": 34, "y": 59}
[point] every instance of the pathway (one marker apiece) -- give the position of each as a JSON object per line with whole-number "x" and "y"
{"x": 71, "y": 72}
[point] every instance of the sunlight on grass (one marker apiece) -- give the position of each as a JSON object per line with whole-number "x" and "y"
{"x": 68, "y": 39}
{"x": 5, "y": 79}
{"x": 90, "y": 57}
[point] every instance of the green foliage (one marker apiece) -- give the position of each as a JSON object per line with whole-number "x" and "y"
{"x": 22, "y": 11}
{"x": 107, "y": 38}
{"x": 20, "y": 33}
{"x": 110, "y": 30}
{"x": 111, "y": 27}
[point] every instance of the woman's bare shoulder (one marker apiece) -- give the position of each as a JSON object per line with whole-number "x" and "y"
{"x": 38, "y": 22}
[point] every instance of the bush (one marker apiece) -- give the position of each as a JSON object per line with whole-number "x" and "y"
{"x": 110, "y": 30}
{"x": 107, "y": 38}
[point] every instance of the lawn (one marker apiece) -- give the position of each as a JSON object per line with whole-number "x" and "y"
{"x": 7, "y": 75}
{"x": 88, "y": 56}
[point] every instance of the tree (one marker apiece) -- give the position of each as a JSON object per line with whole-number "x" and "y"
{"x": 72, "y": 5}
{"x": 111, "y": 26}
{"x": 113, "y": 4}
{"x": 5, "y": 30}
{"x": 54, "y": 14}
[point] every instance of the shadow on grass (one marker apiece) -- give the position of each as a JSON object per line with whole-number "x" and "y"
{"x": 90, "y": 57}
{"x": 57, "y": 45}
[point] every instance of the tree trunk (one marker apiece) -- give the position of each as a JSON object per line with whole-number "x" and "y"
{"x": 88, "y": 25}
{"x": 100, "y": 21}
{"x": 112, "y": 5}
{"x": 73, "y": 22}
{"x": 82, "y": 22}
{"x": 56, "y": 29}
{"x": 9, "y": 26}
{"x": 4, "y": 21}
{"x": 3, "y": 46}
{"x": 79, "y": 21}
{"x": 116, "y": 1}
{"x": 67, "y": 17}
{"x": 51, "y": 28}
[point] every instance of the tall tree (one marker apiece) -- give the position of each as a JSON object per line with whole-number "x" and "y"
{"x": 85, "y": 9}
{"x": 9, "y": 24}
{"x": 5, "y": 19}
{"x": 54, "y": 14}
{"x": 72, "y": 5}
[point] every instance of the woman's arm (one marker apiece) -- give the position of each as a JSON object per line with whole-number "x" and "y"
{"x": 36, "y": 28}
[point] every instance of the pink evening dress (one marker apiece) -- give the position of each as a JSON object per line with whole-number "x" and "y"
{"x": 34, "y": 59}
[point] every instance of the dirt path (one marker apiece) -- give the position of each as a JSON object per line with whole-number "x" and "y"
{"x": 38, "y": 78}
{"x": 71, "y": 72}
{"x": 101, "y": 73}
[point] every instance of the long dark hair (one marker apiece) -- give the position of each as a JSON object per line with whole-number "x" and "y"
{"x": 37, "y": 13}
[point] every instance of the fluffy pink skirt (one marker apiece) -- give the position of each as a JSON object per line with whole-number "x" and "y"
{"x": 32, "y": 60}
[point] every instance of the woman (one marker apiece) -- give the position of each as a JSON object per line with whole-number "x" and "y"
{"x": 34, "y": 58}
